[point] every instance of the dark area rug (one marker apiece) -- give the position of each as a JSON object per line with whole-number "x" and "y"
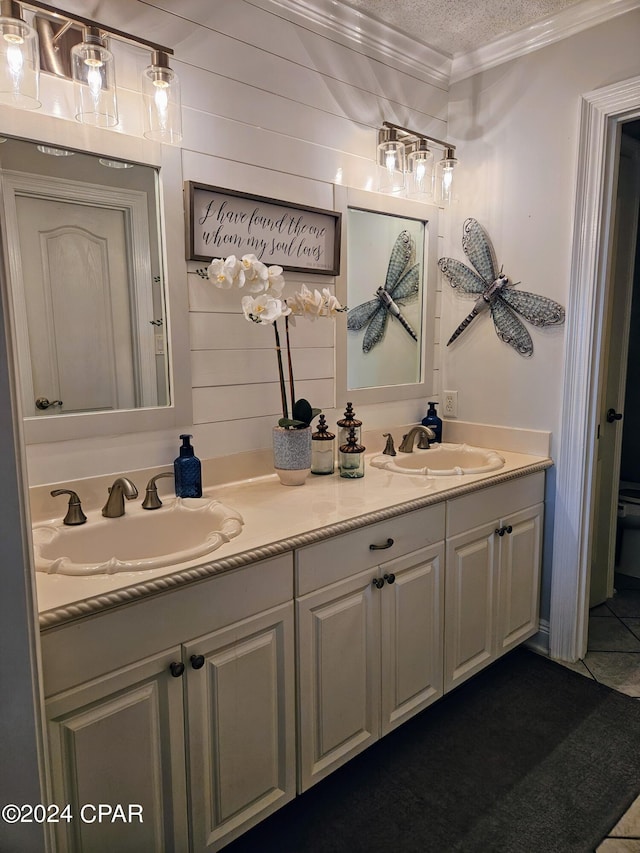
{"x": 526, "y": 757}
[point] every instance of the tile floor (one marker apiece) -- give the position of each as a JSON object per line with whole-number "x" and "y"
{"x": 613, "y": 658}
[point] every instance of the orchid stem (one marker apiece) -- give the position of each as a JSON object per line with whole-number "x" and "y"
{"x": 293, "y": 392}
{"x": 283, "y": 393}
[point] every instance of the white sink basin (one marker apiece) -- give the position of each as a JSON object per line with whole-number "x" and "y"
{"x": 141, "y": 539}
{"x": 442, "y": 460}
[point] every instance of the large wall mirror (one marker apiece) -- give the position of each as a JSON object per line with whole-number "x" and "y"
{"x": 388, "y": 281}
{"x": 87, "y": 273}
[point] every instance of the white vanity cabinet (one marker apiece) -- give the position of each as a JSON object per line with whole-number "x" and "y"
{"x": 369, "y": 636}
{"x": 492, "y": 587}
{"x": 201, "y": 734}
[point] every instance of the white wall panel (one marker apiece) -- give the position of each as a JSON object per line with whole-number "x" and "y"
{"x": 234, "y": 402}
{"x": 246, "y": 366}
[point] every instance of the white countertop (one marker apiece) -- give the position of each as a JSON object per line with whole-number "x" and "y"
{"x": 275, "y": 518}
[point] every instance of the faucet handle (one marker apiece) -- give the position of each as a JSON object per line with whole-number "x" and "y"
{"x": 425, "y": 437}
{"x": 151, "y": 499}
{"x": 74, "y": 515}
{"x": 389, "y": 449}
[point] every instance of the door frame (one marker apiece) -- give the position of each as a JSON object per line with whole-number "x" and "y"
{"x": 133, "y": 205}
{"x": 601, "y": 115}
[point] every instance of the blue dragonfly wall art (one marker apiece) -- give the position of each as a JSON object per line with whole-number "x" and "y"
{"x": 495, "y": 291}
{"x": 402, "y": 285}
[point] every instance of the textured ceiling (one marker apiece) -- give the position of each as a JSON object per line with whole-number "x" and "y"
{"x": 458, "y": 26}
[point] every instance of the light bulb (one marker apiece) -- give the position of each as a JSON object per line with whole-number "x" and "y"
{"x": 161, "y": 89}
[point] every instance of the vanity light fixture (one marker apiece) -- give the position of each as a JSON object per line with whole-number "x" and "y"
{"x": 77, "y": 48}
{"x": 19, "y": 59}
{"x": 391, "y": 161}
{"x": 421, "y": 179}
{"x": 94, "y": 80}
{"x": 161, "y": 91}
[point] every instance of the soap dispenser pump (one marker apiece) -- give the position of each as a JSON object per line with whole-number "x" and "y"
{"x": 187, "y": 471}
{"x": 432, "y": 421}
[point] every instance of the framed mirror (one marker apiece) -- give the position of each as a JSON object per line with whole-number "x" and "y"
{"x": 388, "y": 281}
{"x": 87, "y": 270}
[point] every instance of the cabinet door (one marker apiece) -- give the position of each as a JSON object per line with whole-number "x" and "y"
{"x": 119, "y": 740}
{"x": 470, "y": 603}
{"x": 519, "y": 593}
{"x": 240, "y": 725}
{"x": 338, "y": 674}
{"x": 412, "y": 642}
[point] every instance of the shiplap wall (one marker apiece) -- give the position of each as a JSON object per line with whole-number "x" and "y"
{"x": 273, "y": 108}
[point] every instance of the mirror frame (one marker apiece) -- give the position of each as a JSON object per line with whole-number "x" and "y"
{"x": 65, "y": 134}
{"x": 346, "y": 198}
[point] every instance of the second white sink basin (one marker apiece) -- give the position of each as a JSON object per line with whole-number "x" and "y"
{"x": 140, "y": 539}
{"x": 442, "y": 460}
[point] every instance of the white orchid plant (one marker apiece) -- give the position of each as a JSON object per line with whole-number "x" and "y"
{"x": 266, "y": 306}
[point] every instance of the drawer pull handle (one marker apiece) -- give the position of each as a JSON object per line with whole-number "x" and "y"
{"x": 390, "y": 578}
{"x": 378, "y": 583}
{"x": 197, "y": 661}
{"x": 386, "y": 545}
{"x": 176, "y": 668}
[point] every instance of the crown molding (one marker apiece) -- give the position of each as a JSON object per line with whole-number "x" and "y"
{"x": 567, "y": 23}
{"x": 368, "y": 36}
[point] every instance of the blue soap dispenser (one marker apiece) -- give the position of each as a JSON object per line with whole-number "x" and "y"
{"x": 187, "y": 471}
{"x": 432, "y": 421}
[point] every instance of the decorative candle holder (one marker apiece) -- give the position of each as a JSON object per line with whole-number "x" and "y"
{"x": 351, "y": 457}
{"x": 323, "y": 445}
{"x": 345, "y": 424}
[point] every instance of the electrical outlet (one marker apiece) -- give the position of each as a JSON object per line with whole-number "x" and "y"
{"x": 450, "y": 404}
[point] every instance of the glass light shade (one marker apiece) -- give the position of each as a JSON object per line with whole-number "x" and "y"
{"x": 444, "y": 183}
{"x": 94, "y": 80}
{"x": 421, "y": 173}
{"x": 19, "y": 62}
{"x": 162, "y": 101}
{"x": 391, "y": 166}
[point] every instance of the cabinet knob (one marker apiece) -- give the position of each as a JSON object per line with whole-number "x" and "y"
{"x": 509, "y": 528}
{"x": 499, "y": 531}
{"x": 390, "y": 578}
{"x": 386, "y": 545}
{"x": 197, "y": 661}
{"x": 176, "y": 668}
{"x": 378, "y": 583}
{"x": 502, "y": 530}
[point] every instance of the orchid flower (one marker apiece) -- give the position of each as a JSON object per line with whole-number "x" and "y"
{"x": 226, "y": 273}
{"x": 264, "y": 308}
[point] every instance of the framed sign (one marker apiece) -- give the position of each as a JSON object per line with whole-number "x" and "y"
{"x": 224, "y": 222}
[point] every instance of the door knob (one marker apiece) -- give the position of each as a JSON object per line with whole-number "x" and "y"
{"x": 197, "y": 661}
{"x": 390, "y": 578}
{"x": 612, "y": 416}
{"x": 43, "y": 403}
{"x": 176, "y": 668}
{"x": 378, "y": 583}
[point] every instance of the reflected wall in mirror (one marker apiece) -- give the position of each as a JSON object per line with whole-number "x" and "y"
{"x": 84, "y": 258}
{"x": 388, "y": 282}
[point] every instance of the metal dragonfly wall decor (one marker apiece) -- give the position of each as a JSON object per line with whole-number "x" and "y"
{"x": 402, "y": 285}
{"x": 495, "y": 291}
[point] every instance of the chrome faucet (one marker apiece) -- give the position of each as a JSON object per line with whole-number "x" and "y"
{"x": 425, "y": 433}
{"x": 121, "y": 489}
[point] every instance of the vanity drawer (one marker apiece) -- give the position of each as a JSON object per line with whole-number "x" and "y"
{"x": 493, "y": 503}
{"x": 90, "y": 647}
{"x": 349, "y": 553}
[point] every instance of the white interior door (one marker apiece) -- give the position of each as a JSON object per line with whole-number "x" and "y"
{"x": 609, "y": 448}
{"x": 76, "y": 282}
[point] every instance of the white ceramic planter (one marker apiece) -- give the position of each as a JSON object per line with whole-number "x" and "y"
{"x": 292, "y": 454}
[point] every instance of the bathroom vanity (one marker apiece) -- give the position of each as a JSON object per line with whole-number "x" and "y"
{"x": 212, "y": 693}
